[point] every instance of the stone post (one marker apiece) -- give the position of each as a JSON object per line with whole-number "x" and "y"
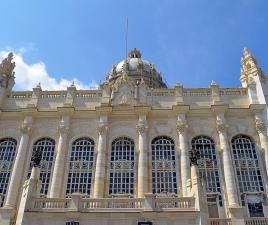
{"x": 100, "y": 172}
{"x": 229, "y": 174}
{"x": 60, "y": 161}
{"x": 185, "y": 165}
{"x": 143, "y": 158}
{"x": 18, "y": 171}
{"x": 199, "y": 192}
{"x": 31, "y": 188}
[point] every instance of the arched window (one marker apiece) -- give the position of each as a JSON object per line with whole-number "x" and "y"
{"x": 164, "y": 179}
{"x": 81, "y": 166}
{"x": 208, "y": 171}
{"x": 47, "y": 146}
{"x": 7, "y": 157}
{"x": 208, "y": 166}
{"x": 122, "y": 167}
{"x": 247, "y": 166}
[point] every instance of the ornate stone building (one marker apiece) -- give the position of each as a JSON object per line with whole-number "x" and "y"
{"x": 134, "y": 151}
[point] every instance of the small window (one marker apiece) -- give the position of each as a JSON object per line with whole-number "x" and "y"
{"x": 72, "y": 223}
{"x": 145, "y": 223}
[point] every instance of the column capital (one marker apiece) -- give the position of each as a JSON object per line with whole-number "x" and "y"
{"x": 26, "y": 126}
{"x": 102, "y": 128}
{"x": 221, "y": 126}
{"x": 260, "y": 126}
{"x": 63, "y": 128}
{"x": 181, "y": 127}
{"x": 141, "y": 128}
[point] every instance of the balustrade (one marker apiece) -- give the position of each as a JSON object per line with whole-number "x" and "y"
{"x": 95, "y": 204}
{"x": 217, "y": 221}
{"x": 256, "y": 221}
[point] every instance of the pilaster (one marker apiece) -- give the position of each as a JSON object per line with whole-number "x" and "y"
{"x": 100, "y": 173}
{"x": 230, "y": 184}
{"x": 143, "y": 156}
{"x": 57, "y": 185}
{"x": 18, "y": 172}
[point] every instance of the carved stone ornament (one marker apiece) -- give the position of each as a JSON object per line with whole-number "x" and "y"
{"x": 260, "y": 126}
{"x": 26, "y": 128}
{"x": 181, "y": 127}
{"x": 141, "y": 128}
{"x": 7, "y": 72}
{"x": 63, "y": 128}
{"x": 102, "y": 128}
{"x": 123, "y": 80}
{"x": 221, "y": 126}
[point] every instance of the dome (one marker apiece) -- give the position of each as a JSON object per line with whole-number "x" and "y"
{"x": 137, "y": 69}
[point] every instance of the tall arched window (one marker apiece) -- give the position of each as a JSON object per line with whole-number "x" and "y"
{"x": 122, "y": 167}
{"x": 47, "y": 146}
{"x": 164, "y": 179}
{"x": 81, "y": 166}
{"x": 208, "y": 166}
{"x": 247, "y": 168}
{"x": 7, "y": 157}
{"x": 208, "y": 171}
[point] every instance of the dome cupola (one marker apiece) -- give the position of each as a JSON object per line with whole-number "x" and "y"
{"x": 137, "y": 69}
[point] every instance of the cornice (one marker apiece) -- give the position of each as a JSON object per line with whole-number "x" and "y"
{"x": 180, "y": 108}
{"x": 256, "y": 108}
{"x": 220, "y": 108}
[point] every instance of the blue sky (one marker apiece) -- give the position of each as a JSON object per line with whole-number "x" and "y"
{"x": 189, "y": 41}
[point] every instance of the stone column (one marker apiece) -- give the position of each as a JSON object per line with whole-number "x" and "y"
{"x": 229, "y": 176}
{"x": 20, "y": 161}
{"x": 100, "y": 172}
{"x": 57, "y": 186}
{"x": 262, "y": 132}
{"x": 143, "y": 157}
{"x": 185, "y": 165}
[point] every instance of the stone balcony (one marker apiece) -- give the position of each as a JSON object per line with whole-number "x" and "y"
{"x": 78, "y": 204}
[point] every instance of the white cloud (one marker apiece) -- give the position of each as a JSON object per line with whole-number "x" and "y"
{"x": 29, "y": 75}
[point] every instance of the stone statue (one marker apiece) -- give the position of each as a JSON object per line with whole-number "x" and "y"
{"x": 37, "y": 157}
{"x": 7, "y": 72}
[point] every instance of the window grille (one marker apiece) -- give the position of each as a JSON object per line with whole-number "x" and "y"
{"x": 122, "y": 167}
{"x": 47, "y": 146}
{"x": 81, "y": 166}
{"x": 246, "y": 165}
{"x": 7, "y": 157}
{"x": 164, "y": 179}
{"x": 207, "y": 164}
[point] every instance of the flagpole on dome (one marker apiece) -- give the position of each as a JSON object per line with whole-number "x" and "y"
{"x": 126, "y": 37}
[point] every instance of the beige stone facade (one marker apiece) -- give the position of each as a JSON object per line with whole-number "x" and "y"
{"x": 135, "y": 150}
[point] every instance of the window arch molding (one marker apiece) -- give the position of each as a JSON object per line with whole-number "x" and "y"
{"x": 8, "y": 152}
{"x": 156, "y": 156}
{"x": 46, "y": 170}
{"x": 86, "y": 173}
{"x": 252, "y": 136}
{"x": 132, "y": 170}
